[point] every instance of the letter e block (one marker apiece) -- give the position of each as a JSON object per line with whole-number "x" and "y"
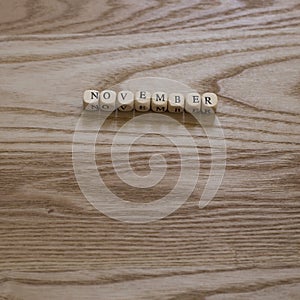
{"x": 193, "y": 103}
{"x": 142, "y": 101}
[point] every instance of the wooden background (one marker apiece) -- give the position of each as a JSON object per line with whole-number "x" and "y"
{"x": 244, "y": 245}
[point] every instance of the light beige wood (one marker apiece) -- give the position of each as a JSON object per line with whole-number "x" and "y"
{"x": 55, "y": 245}
{"x": 108, "y": 99}
{"x": 142, "y": 101}
{"x": 176, "y": 103}
{"x": 193, "y": 103}
{"x": 125, "y": 101}
{"x": 159, "y": 102}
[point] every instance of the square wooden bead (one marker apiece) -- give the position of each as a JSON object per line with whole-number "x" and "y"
{"x": 159, "y": 102}
{"x": 125, "y": 101}
{"x": 91, "y": 100}
{"x": 176, "y": 103}
{"x": 209, "y": 103}
{"x": 142, "y": 101}
{"x": 108, "y": 100}
{"x": 193, "y": 103}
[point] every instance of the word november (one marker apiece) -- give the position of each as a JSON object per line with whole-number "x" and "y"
{"x": 143, "y": 101}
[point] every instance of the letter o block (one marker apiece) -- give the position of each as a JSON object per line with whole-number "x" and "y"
{"x": 108, "y": 100}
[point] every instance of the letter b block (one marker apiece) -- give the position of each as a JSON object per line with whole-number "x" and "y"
{"x": 176, "y": 103}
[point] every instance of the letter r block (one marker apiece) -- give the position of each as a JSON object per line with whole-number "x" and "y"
{"x": 209, "y": 103}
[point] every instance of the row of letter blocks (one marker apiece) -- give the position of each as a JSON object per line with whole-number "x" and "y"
{"x": 143, "y": 101}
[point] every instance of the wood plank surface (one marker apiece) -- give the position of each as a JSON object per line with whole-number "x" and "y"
{"x": 244, "y": 245}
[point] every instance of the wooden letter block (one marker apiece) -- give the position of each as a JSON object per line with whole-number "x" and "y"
{"x": 142, "y": 101}
{"x": 193, "y": 103}
{"x": 159, "y": 102}
{"x": 91, "y": 100}
{"x": 176, "y": 103}
{"x": 209, "y": 103}
{"x": 108, "y": 100}
{"x": 125, "y": 101}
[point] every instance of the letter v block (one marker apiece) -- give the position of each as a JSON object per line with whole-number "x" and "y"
{"x": 125, "y": 101}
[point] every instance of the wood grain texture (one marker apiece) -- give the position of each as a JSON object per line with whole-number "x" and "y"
{"x": 244, "y": 245}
